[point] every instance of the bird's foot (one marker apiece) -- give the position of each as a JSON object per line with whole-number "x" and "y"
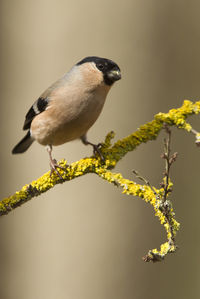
{"x": 96, "y": 147}
{"x": 97, "y": 151}
{"x": 54, "y": 165}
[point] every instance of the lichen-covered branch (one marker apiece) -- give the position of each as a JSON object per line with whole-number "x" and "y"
{"x": 112, "y": 154}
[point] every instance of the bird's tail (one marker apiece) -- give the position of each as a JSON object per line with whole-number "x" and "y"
{"x": 23, "y": 145}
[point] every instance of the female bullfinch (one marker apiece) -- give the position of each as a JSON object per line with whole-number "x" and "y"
{"x": 70, "y": 106}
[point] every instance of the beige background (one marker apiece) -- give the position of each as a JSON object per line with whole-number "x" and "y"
{"x": 84, "y": 239}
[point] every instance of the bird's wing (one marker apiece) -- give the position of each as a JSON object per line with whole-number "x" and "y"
{"x": 39, "y": 106}
{"x": 42, "y": 103}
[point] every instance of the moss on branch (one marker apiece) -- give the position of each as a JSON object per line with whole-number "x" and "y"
{"x": 113, "y": 153}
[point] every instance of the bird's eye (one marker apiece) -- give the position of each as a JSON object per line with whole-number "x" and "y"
{"x": 100, "y": 66}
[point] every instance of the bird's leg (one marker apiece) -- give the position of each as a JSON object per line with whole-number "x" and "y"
{"x": 96, "y": 147}
{"x": 53, "y": 162}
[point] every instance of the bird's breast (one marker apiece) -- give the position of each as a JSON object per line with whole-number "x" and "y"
{"x": 69, "y": 116}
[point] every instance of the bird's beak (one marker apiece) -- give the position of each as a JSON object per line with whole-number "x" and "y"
{"x": 114, "y": 75}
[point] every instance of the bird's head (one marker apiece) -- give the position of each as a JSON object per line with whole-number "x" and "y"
{"x": 105, "y": 69}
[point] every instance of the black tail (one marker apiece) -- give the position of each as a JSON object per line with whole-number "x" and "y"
{"x": 23, "y": 145}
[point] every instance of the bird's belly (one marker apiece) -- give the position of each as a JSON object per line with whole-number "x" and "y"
{"x": 62, "y": 125}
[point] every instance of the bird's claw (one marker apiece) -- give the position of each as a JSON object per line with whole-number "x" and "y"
{"x": 54, "y": 165}
{"x": 96, "y": 150}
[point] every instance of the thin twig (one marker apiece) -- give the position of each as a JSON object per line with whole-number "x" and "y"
{"x": 166, "y": 180}
{"x": 193, "y": 131}
{"x": 144, "y": 180}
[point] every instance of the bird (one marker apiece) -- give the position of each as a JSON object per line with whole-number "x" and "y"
{"x": 70, "y": 106}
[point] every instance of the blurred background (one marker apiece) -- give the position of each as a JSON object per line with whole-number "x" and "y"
{"x": 84, "y": 239}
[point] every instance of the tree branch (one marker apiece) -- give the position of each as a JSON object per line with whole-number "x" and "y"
{"x": 112, "y": 154}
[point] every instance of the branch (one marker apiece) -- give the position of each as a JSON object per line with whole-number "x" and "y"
{"x": 112, "y": 154}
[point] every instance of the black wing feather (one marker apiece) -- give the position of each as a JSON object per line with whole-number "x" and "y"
{"x": 39, "y": 106}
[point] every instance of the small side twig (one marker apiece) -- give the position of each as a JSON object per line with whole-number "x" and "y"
{"x": 163, "y": 203}
{"x": 168, "y": 162}
{"x": 197, "y": 135}
{"x": 144, "y": 180}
